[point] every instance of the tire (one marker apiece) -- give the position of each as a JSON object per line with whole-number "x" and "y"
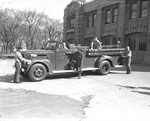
{"x": 23, "y": 74}
{"x": 37, "y": 72}
{"x": 104, "y": 68}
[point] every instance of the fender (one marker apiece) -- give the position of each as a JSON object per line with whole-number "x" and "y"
{"x": 44, "y": 62}
{"x": 103, "y": 58}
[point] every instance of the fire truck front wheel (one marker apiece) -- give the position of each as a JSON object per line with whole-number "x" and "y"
{"x": 37, "y": 72}
{"x": 104, "y": 67}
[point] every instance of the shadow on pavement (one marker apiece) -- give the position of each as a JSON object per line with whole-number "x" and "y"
{"x": 135, "y": 67}
{"x": 62, "y": 75}
{"x": 10, "y": 78}
{"x": 142, "y": 92}
{"x": 129, "y": 87}
{"x": 70, "y": 75}
{"x": 116, "y": 72}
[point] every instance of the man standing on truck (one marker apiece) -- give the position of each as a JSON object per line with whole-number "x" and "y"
{"x": 127, "y": 56}
{"x": 95, "y": 44}
{"x": 18, "y": 62}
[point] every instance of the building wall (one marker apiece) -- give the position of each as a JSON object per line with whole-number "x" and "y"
{"x": 121, "y": 32}
{"x": 138, "y": 29}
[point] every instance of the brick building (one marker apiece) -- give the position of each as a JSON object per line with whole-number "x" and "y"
{"x": 111, "y": 21}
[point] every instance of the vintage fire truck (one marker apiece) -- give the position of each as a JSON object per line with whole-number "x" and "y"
{"x": 54, "y": 58}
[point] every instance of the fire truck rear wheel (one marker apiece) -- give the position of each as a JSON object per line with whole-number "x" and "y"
{"x": 104, "y": 68}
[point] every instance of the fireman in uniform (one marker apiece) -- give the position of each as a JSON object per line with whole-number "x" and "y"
{"x": 79, "y": 57}
{"x": 127, "y": 57}
{"x": 95, "y": 44}
{"x": 18, "y": 61}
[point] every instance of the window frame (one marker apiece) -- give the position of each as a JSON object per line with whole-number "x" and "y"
{"x": 108, "y": 16}
{"x": 94, "y": 17}
{"x": 115, "y": 16}
{"x": 72, "y": 23}
{"x": 143, "y": 41}
{"x": 91, "y": 18}
{"x": 142, "y": 8}
{"x": 133, "y": 10}
{"x": 88, "y": 22}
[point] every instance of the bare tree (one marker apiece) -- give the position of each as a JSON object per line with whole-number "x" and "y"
{"x": 53, "y": 29}
{"x": 29, "y": 27}
{"x": 9, "y": 29}
{"x": 31, "y": 21}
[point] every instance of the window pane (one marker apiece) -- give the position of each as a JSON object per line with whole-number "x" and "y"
{"x": 94, "y": 20}
{"x": 107, "y": 41}
{"x": 107, "y": 17}
{"x": 108, "y": 20}
{"x": 72, "y": 23}
{"x": 116, "y": 11}
{"x": 133, "y": 6}
{"x": 143, "y": 43}
{"x": 115, "y": 15}
{"x": 144, "y": 13}
{"x": 144, "y": 8}
{"x": 89, "y": 21}
{"x": 133, "y": 15}
{"x": 144, "y": 4}
{"x": 133, "y": 11}
{"x": 114, "y": 41}
{"x": 108, "y": 13}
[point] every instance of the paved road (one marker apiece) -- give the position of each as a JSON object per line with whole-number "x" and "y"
{"x": 117, "y": 96}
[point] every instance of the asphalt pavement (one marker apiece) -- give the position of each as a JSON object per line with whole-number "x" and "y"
{"x": 114, "y": 97}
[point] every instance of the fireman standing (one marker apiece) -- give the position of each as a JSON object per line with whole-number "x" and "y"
{"x": 18, "y": 62}
{"x": 95, "y": 44}
{"x": 79, "y": 57}
{"x": 127, "y": 56}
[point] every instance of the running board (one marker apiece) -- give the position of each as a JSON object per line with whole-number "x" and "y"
{"x": 119, "y": 66}
{"x": 70, "y": 71}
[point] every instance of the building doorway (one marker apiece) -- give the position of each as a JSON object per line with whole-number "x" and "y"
{"x": 138, "y": 43}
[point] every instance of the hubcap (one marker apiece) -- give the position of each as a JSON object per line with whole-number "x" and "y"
{"x": 38, "y": 72}
{"x": 105, "y": 68}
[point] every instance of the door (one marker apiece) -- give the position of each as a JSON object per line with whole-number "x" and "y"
{"x": 61, "y": 58}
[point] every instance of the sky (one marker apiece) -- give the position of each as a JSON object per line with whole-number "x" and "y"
{"x": 53, "y": 8}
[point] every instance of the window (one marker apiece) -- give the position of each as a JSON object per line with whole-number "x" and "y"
{"x": 89, "y": 20}
{"x": 144, "y": 9}
{"x": 111, "y": 13}
{"x": 133, "y": 13}
{"x": 71, "y": 22}
{"x": 115, "y": 15}
{"x": 132, "y": 43}
{"x": 94, "y": 20}
{"x": 110, "y": 40}
{"x": 114, "y": 41}
{"x": 107, "y": 18}
{"x": 107, "y": 41}
{"x": 142, "y": 43}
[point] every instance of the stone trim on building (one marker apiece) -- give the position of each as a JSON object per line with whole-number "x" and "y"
{"x": 109, "y": 32}
{"x": 136, "y": 28}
